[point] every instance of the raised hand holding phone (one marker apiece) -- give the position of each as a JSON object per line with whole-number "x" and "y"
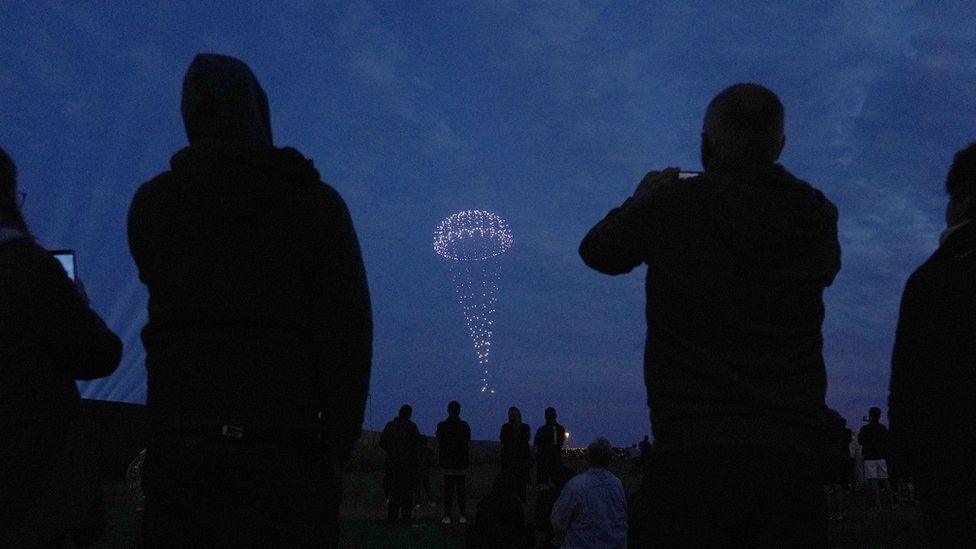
{"x": 654, "y": 180}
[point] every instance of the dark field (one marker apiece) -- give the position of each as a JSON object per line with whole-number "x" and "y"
{"x": 364, "y": 516}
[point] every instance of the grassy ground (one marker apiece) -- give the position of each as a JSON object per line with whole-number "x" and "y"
{"x": 364, "y": 517}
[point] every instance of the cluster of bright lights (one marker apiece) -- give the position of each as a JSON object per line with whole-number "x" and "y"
{"x": 468, "y": 238}
{"x": 472, "y": 235}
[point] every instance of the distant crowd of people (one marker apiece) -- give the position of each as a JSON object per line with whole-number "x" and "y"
{"x": 259, "y": 340}
{"x": 572, "y": 510}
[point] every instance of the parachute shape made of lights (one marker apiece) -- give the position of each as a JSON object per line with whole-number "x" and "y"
{"x": 470, "y": 240}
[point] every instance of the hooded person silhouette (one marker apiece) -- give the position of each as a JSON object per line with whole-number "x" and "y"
{"x": 258, "y": 345}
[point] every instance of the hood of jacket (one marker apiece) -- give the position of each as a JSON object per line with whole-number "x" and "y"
{"x": 223, "y": 100}
{"x": 236, "y": 180}
{"x": 773, "y": 221}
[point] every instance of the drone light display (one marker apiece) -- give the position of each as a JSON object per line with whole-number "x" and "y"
{"x": 470, "y": 239}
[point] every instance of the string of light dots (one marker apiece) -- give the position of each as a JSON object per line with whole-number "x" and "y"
{"x": 469, "y": 239}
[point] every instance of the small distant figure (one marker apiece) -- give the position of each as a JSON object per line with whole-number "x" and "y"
{"x": 835, "y": 462}
{"x": 737, "y": 258}
{"x": 645, "y": 448}
{"x": 49, "y": 338}
{"x": 549, "y": 440}
{"x": 259, "y": 339}
{"x": 634, "y": 456}
{"x": 931, "y": 411}
{"x": 500, "y": 521}
{"x": 873, "y": 439}
{"x": 516, "y": 457}
{"x": 544, "y": 503}
{"x": 591, "y": 510}
{"x": 453, "y": 436}
{"x": 401, "y": 440}
{"x": 425, "y": 458}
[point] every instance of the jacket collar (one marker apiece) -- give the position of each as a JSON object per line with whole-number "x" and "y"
{"x": 952, "y": 230}
{"x": 958, "y": 239}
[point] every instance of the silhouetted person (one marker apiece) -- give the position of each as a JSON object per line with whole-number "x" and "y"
{"x": 500, "y": 522}
{"x": 516, "y": 457}
{"x": 835, "y": 462}
{"x": 401, "y": 440}
{"x": 873, "y": 439}
{"x": 544, "y": 502}
{"x": 591, "y": 510}
{"x": 931, "y": 408}
{"x": 738, "y": 259}
{"x": 645, "y": 448}
{"x": 453, "y": 436}
{"x": 49, "y": 337}
{"x": 549, "y": 440}
{"x": 259, "y": 337}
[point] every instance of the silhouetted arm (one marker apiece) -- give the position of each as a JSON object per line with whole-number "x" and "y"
{"x": 343, "y": 318}
{"x": 624, "y": 238}
{"x": 72, "y": 337}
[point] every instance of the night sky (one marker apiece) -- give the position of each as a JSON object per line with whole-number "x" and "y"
{"x": 546, "y": 114}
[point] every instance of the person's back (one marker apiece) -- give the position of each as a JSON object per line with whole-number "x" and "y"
{"x": 873, "y": 439}
{"x": 453, "y": 436}
{"x": 591, "y": 511}
{"x": 735, "y": 280}
{"x": 931, "y": 410}
{"x": 515, "y": 453}
{"x": 259, "y": 325}
{"x": 258, "y": 308}
{"x": 645, "y": 448}
{"x": 549, "y": 440}
{"x": 49, "y": 338}
{"x": 401, "y": 441}
{"x": 738, "y": 259}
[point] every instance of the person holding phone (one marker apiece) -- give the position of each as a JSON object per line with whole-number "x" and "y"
{"x": 737, "y": 262}
{"x": 49, "y": 338}
{"x": 259, "y": 340}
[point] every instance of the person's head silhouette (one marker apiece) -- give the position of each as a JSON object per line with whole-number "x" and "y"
{"x": 874, "y": 414}
{"x": 599, "y": 453}
{"x": 961, "y": 186}
{"x": 223, "y": 100}
{"x": 514, "y": 416}
{"x": 550, "y": 414}
{"x": 454, "y": 408}
{"x": 504, "y": 484}
{"x": 743, "y": 127}
{"x": 405, "y": 412}
{"x": 9, "y": 197}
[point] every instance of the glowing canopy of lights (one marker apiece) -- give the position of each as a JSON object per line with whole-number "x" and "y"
{"x": 472, "y": 235}
{"x": 470, "y": 239}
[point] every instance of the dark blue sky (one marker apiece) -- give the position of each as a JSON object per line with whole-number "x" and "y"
{"x": 547, "y": 114}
